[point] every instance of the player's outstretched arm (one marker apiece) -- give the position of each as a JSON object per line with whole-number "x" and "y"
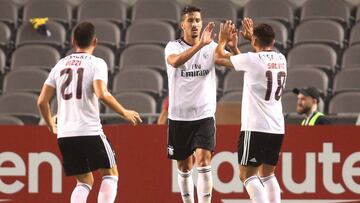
{"x": 176, "y": 60}
{"x": 108, "y": 99}
{"x": 45, "y": 96}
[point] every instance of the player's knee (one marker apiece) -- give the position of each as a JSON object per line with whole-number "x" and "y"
{"x": 85, "y": 178}
{"x": 203, "y": 161}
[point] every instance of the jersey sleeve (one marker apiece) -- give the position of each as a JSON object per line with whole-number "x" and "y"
{"x": 51, "y": 78}
{"x": 171, "y": 48}
{"x": 100, "y": 71}
{"x": 241, "y": 62}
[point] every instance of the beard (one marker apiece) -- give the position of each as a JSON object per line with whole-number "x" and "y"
{"x": 303, "y": 109}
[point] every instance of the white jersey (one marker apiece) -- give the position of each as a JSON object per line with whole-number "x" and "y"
{"x": 78, "y": 106}
{"x": 192, "y": 86}
{"x": 264, "y": 81}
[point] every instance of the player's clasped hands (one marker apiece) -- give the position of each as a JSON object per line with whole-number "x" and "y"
{"x": 132, "y": 116}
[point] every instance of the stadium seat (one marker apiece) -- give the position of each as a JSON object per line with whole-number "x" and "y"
{"x": 143, "y": 80}
{"x": 22, "y": 105}
{"x": 10, "y": 120}
{"x": 149, "y": 32}
{"x": 141, "y": 102}
{"x": 289, "y": 100}
{"x": 9, "y": 13}
{"x": 233, "y": 81}
{"x": 312, "y": 55}
{"x": 281, "y": 32}
{"x": 107, "y": 33}
{"x": 276, "y": 10}
{"x": 34, "y": 56}
{"x": 346, "y": 102}
{"x": 151, "y": 56}
{"x": 57, "y": 10}
{"x": 320, "y": 31}
{"x": 355, "y": 35}
{"x": 110, "y": 10}
{"x": 217, "y": 10}
{"x": 350, "y": 58}
{"x": 149, "y": 10}
{"x": 297, "y": 78}
{"x": 347, "y": 80}
{"x": 5, "y": 36}
{"x": 336, "y": 10}
{"x": 2, "y": 62}
{"x": 231, "y": 97}
{"x": 357, "y": 14}
{"x": 26, "y": 34}
{"x": 246, "y": 47}
{"x": 24, "y": 81}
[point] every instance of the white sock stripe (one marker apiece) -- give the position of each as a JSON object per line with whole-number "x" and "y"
{"x": 108, "y": 151}
{"x": 84, "y": 185}
{"x": 267, "y": 178}
{"x": 114, "y": 178}
{"x": 250, "y": 179}
{"x": 185, "y": 174}
{"x": 203, "y": 170}
{"x": 244, "y": 149}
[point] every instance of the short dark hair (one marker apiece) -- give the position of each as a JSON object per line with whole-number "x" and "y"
{"x": 189, "y": 9}
{"x": 84, "y": 34}
{"x": 264, "y": 34}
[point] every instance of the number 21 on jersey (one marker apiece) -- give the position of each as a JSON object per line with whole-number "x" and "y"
{"x": 69, "y": 78}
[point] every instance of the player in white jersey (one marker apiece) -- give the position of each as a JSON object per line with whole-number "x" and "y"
{"x": 192, "y": 103}
{"x": 79, "y": 80}
{"x": 262, "y": 121}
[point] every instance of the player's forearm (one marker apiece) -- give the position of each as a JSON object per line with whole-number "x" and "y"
{"x": 221, "y": 58}
{"x": 177, "y": 60}
{"x": 235, "y": 50}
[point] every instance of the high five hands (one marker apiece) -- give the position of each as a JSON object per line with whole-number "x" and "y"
{"x": 229, "y": 33}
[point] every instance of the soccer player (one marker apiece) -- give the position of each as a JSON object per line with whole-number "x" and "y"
{"x": 262, "y": 121}
{"x": 79, "y": 80}
{"x": 192, "y": 103}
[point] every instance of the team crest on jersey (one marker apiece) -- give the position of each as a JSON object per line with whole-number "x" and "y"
{"x": 205, "y": 55}
{"x": 170, "y": 150}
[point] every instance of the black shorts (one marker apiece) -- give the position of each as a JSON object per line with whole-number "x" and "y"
{"x": 185, "y": 136}
{"x": 256, "y": 148}
{"x": 84, "y": 154}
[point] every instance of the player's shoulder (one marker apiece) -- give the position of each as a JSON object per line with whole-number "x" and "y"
{"x": 175, "y": 43}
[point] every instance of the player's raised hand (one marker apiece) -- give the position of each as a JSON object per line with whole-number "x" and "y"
{"x": 248, "y": 28}
{"x": 225, "y": 31}
{"x": 234, "y": 39}
{"x": 132, "y": 116}
{"x": 206, "y": 35}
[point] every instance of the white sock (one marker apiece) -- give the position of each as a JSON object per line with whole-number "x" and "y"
{"x": 272, "y": 188}
{"x": 256, "y": 190}
{"x": 186, "y": 185}
{"x": 108, "y": 189}
{"x": 204, "y": 184}
{"x": 80, "y": 193}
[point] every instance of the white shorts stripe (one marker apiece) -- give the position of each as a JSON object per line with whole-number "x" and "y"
{"x": 108, "y": 151}
{"x": 248, "y": 146}
{"x": 244, "y": 150}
